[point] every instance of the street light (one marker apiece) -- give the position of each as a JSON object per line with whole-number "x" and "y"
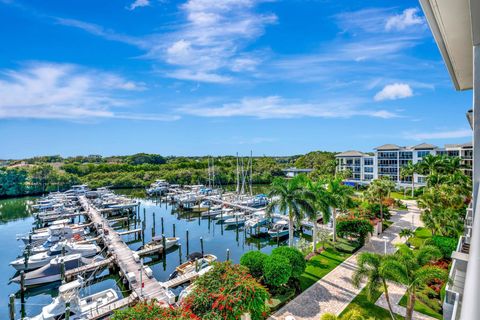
{"x": 385, "y": 239}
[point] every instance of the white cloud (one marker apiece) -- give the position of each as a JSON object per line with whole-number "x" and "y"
{"x": 453, "y": 134}
{"x": 394, "y": 91}
{"x": 138, "y": 4}
{"x": 65, "y": 91}
{"x": 408, "y": 18}
{"x": 275, "y": 107}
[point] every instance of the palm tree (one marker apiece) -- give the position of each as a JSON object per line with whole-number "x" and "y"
{"x": 370, "y": 268}
{"x": 431, "y": 164}
{"x": 321, "y": 205}
{"x": 379, "y": 190}
{"x": 406, "y": 233}
{"x": 350, "y": 315}
{"x": 412, "y": 269}
{"x": 409, "y": 170}
{"x": 292, "y": 198}
{"x": 338, "y": 196}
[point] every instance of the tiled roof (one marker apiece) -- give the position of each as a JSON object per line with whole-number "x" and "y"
{"x": 351, "y": 153}
{"x": 424, "y": 146}
{"x": 388, "y": 147}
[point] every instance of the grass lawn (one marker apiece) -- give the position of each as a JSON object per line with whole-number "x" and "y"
{"x": 421, "y": 235}
{"x": 368, "y": 308}
{"x": 421, "y": 307}
{"x": 399, "y": 195}
{"x": 321, "y": 264}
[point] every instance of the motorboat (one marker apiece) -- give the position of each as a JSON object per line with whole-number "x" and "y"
{"x": 185, "y": 292}
{"x": 52, "y": 271}
{"x": 196, "y": 263}
{"x": 258, "y": 219}
{"x": 159, "y": 187}
{"x": 56, "y": 230}
{"x": 237, "y": 220}
{"x": 40, "y": 259}
{"x": 51, "y": 241}
{"x": 226, "y": 213}
{"x": 79, "y": 307}
{"x": 212, "y": 212}
{"x": 279, "y": 229}
{"x": 169, "y": 242}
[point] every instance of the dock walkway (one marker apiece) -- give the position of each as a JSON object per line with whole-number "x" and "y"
{"x": 148, "y": 288}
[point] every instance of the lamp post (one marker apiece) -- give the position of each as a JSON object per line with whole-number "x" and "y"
{"x": 141, "y": 280}
{"x": 385, "y": 239}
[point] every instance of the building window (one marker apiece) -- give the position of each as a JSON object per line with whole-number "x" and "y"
{"x": 368, "y": 169}
{"x": 421, "y": 154}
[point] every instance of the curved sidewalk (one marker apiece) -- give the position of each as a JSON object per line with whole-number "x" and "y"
{"x": 335, "y": 291}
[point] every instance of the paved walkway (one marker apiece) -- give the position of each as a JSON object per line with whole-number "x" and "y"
{"x": 396, "y": 292}
{"x": 335, "y": 291}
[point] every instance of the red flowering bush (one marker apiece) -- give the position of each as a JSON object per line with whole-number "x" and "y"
{"x": 227, "y": 292}
{"x": 154, "y": 311}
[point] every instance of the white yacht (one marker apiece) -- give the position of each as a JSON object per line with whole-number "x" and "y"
{"x": 40, "y": 259}
{"x": 52, "y": 271}
{"x": 258, "y": 219}
{"x": 237, "y": 220}
{"x": 279, "y": 229}
{"x": 169, "y": 242}
{"x": 79, "y": 307}
{"x": 56, "y": 230}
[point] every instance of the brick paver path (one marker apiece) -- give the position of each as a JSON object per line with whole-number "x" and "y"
{"x": 396, "y": 292}
{"x": 335, "y": 291}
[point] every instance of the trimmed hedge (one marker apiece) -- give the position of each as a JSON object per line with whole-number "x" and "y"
{"x": 295, "y": 258}
{"x": 254, "y": 261}
{"x": 276, "y": 270}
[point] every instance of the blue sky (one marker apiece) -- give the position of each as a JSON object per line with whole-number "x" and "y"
{"x": 198, "y": 77}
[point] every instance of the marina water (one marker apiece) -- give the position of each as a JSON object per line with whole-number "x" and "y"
{"x": 15, "y": 218}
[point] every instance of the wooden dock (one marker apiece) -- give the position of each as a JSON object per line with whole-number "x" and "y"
{"x": 234, "y": 205}
{"x": 147, "y": 288}
{"x": 70, "y": 274}
{"x": 100, "y": 313}
{"x": 175, "y": 282}
{"x": 123, "y": 233}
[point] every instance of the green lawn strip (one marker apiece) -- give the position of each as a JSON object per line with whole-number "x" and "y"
{"x": 321, "y": 264}
{"x": 421, "y": 308}
{"x": 368, "y": 308}
{"x": 398, "y": 195}
{"x": 279, "y": 300}
{"x": 421, "y": 235}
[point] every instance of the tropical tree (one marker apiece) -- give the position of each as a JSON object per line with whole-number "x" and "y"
{"x": 323, "y": 235}
{"x": 406, "y": 233}
{"x": 431, "y": 164}
{"x": 409, "y": 170}
{"x": 292, "y": 198}
{"x": 370, "y": 269}
{"x": 413, "y": 269}
{"x": 350, "y": 315}
{"x": 379, "y": 190}
{"x": 321, "y": 206}
{"x": 339, "y": 197}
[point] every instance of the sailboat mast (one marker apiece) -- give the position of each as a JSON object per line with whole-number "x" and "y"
{"x": 251, "y": 172}
{"x": 238, "y": 177}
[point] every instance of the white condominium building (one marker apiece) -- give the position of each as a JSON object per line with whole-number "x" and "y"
{"x": 388, "y": 159}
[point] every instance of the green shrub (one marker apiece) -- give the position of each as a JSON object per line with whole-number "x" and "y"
{"x": 356, "y": 228}
{"x": 295, "y": 258}
{"x": 254, "y": 260}
{"x": 446, "y": 245}
{"x": 276, "y": 270}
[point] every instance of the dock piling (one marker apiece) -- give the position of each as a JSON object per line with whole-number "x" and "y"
{"x": 228, "y": 254}
{"x": 180, "y": 253}
{"x": 67, "y": 310}
{"x": 11, "y": 306}
{"x": 201, "y": 245}
{"x": 163, "y": 229}
{"x": 187, "y": 243}
{"x": 174, "y": 229}
{"x": 153, "y": 227}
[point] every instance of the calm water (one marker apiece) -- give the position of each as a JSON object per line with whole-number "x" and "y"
{"x": 16, "y": 219}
